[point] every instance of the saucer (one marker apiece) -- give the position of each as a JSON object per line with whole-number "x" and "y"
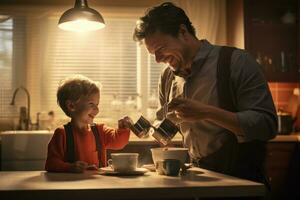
{"x": 150, "y": 167}
{"x": 110, "y": 171}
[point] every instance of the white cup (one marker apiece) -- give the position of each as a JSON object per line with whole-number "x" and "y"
{"x": 123, "y": 162}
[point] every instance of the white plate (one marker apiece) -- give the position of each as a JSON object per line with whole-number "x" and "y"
{"x": 150, "y": 167}
{"x": 110, "y": 171}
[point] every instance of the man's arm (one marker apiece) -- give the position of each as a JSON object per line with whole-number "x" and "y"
{"x": 256, "y": 116}
{"x": 190, "y": 110}
{"x": 256, "y": 111}
{"x": 225, "y": 119}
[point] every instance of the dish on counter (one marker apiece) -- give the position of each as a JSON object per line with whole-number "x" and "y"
{"x": 163, "y": 153}
{"x": 111, "y": 172}
{"x": 150, "y": 167}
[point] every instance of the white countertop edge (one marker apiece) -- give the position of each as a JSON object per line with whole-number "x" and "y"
{"x": 295, "y": 137}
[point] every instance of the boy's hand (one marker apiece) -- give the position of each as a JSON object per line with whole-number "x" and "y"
{"x": 125, "y": 122}
{"x": 91, "y": 167}
{"x": 78, "y": 166}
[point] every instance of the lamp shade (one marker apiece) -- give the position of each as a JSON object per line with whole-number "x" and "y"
{"x": 81, "y": 18}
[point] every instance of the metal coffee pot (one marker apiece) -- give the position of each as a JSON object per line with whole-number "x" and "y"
{"x": 163, "y": 133}
{"x": 141, "y": 127}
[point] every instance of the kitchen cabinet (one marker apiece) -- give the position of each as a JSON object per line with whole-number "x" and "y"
{"x": 271, "y": 35}
{"x": 281, "y": 165}
{"x": 24, "y": 150}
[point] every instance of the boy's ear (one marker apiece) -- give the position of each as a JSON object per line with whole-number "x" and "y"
{"x": 70, "y": 106}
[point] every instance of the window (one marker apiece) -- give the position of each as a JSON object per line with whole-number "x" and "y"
{"x": 109, "y": 56}
{"x": 6, "y": 51}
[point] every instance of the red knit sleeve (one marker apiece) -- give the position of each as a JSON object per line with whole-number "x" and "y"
{"x": 56, "y": 153}
{"x": 114, "y": 138}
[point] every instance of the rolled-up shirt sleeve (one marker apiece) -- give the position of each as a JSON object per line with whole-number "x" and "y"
{"x": 162, "y": 92}
{"x": 256, "y": 112}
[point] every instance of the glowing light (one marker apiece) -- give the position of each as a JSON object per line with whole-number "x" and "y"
{"x": 81, "y": 25}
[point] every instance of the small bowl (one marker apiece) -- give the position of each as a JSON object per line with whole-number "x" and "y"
{"x": 159, "y": 154}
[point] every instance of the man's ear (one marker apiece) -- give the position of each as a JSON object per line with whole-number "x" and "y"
{"x": 183, "y": 32}
{"x": 70, "y": 106}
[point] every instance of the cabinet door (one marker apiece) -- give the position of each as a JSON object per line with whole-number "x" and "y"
{"x": 280, "y": 169}
{"x": 279, "y": 155}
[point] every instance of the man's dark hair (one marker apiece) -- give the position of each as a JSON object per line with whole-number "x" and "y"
{"x": 165, "y": 18}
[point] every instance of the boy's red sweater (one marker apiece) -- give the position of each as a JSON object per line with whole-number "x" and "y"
{"x": 85, "y": 146}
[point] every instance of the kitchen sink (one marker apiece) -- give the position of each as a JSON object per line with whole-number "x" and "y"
{"x": 24, "y": 150}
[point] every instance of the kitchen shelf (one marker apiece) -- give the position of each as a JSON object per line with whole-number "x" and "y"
{"x": 270, "y": 40}
{"x": 283, "y": 76}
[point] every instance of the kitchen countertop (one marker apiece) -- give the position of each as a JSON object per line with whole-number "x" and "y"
{"x": 294, "y": 137}
{"x": 150, "y": 140}
{"x": 196, "y": 183}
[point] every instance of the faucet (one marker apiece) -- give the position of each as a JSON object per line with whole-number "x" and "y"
{"x": 28, "y": 104}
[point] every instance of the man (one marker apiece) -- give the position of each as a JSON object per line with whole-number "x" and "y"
{"x": 225, "y": 119}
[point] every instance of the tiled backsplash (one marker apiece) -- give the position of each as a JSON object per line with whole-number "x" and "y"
{"x": 281, "y": 93}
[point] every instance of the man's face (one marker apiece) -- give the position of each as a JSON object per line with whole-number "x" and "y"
{"x": 169, "y": 50}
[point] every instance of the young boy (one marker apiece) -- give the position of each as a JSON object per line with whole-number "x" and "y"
{"x": 80, "y": 144}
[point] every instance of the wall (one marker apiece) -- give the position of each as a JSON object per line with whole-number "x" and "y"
{"x": 281, "y": 92}
{"x": 235, "y": 23}
{"x": 136, "y": 3}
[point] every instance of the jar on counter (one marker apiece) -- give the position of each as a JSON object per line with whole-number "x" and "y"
{"x": 285, "y": 123}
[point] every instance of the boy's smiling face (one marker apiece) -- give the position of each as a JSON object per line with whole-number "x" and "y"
{"x": 85, "y": 110}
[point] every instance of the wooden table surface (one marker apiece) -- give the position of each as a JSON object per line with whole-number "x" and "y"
{"x": 91, "y": 185}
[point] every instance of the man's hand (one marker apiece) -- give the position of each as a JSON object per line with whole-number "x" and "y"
{"x": 191, "y": 111}
{"x": 78, "y": 166}
{"x": 92, "y": 167}
{"x": 188, "y": 110}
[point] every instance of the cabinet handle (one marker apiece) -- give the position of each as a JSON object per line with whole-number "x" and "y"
{"x": 270, "y": 178}
{"x": 270, "y": 154}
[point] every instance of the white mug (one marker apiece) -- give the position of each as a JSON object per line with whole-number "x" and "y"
{"x": 123, "y": 162}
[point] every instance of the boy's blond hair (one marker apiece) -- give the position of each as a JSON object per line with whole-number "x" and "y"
{"x": 73, "y": 88}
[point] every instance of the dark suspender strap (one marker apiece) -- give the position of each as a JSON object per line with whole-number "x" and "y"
{"x": 227, "y": 155}
{"x": 98, "y": 143}
{"x": 169, "y": 84}
{"x": 246, "y": 158}
{"x": 70, "y": 143}
{"x": 223, "y": 79}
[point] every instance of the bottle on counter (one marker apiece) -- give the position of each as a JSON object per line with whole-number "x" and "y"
{"x": 283, "y": 63}
{"x": 22, "y": 118}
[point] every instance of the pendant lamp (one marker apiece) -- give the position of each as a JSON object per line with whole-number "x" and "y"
{"x": 81, "y": 18}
